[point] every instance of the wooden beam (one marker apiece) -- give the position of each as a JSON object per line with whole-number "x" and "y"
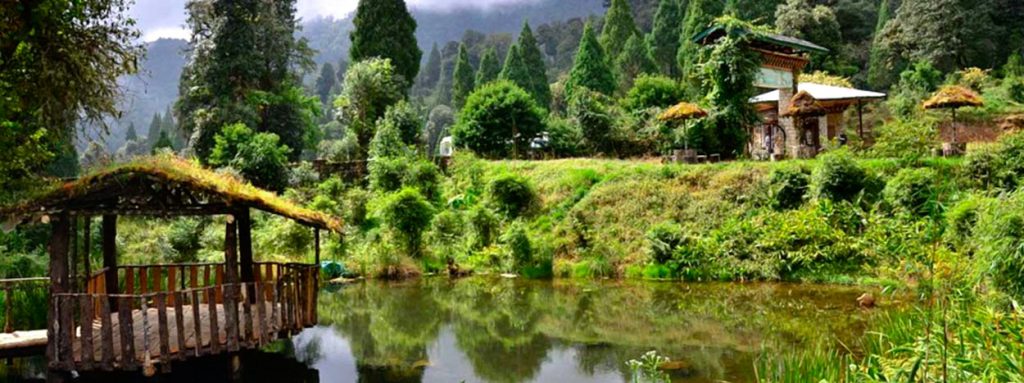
{"x": 245, "y": 244}
{"x": 60, "y": 227}
{"x": 108, "y": 233}
{"x": 231, "y": 279}
{"x": 87, "y": 249}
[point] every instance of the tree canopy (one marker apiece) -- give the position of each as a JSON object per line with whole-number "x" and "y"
{"x": 499, "y": 120}
{"x": 385, "y": 29}
{"x": 591, "y": 69}
{"x": 462, "y": 78}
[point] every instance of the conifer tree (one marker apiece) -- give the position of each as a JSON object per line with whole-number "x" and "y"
{"x": 462, "y": 78}
{"x": 634, "y": 61}
{"x": 591, "y": 68}
{"x": 155, "y": 125}
{"x": 699, "y": 15}
{"x": 618, "y": 27}
{"x": 432, "y": 69}
{"x": 879, "y": 73}
{"x": 386, "y": 29}
{"x": 533, "y": 61}
{"x": 664, "y": 38}
{"x": 163, "y": 142}
{"x": 515, "y": 69}
{"x": 490, "y": 68}
{"x": 325, "y": 83}
{"x": 131, "y": 134}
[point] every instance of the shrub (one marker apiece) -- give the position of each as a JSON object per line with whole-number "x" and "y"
{"x": 499, "y": 119}
{"x": 564, "y": 137}
{"x": 184, "y": 237}
{"x": 1000, "y": 235}
{"x": 662, "y": 241}
{"x": 912, "y": 191}
{"x": 838, "y": 177}
{"x": 593, "y": 114}
{"x": 387, "y": 173}
{"x": 483, "y": 224}
{"x": 302, "y": 175}
{"x": 425, "y": 177}
{"x": 355, "y": 206}
{"x": 1010, "y": 162}
{"x": 981, "y": 167}
{"x": 906, "y": 138}
{"x": 962, "y": 219}
{"x": 787, "y": 187}
{"x": 651, "y": 91}
{"x": 446, "y": 231}
{"x": 259, "y": 157}
{"x": 387, "y": 142}
{"x": 407, "y": 214}
{"x": 516, "y": 245}
{"x": 406, "y": 121}
{"x": 512, "y": 195}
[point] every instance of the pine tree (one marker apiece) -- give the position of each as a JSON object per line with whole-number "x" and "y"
{"x": 699, "y": 15}
{"x": 325, "y": 83}
{"x": 950, "y": 34}
{"x": 634, "y": 61}
{"x": 515, "y": 69}
{"x": 164, "y": 142}
{"x": 432, "y": 70}
{"x": 591, "y": 68}
{"x": 879, "y": 74}
{"x": 385, "y": 29}
{"x": 462, "y": 78}
{"x": 155, "y": 125}
{"x": 618, "y": 27}
{"x": 131, "y": 134}
{"x": 490, "y": 68}
{"x": 664, "y": 38}
{"x": 171, "y": 127}
{"x": 533, "y": 60}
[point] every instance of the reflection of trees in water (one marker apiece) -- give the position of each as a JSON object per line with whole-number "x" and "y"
{"x": 387, "y": 324}
{"x": 495, "y": 325}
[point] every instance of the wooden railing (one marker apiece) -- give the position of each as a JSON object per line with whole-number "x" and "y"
{"x": 175, "y": 310}
{"x": 9, "y": 286}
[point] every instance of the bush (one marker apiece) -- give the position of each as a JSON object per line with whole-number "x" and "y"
{"x": 355, "y": 206}
{"x": 387, "y": 173}
{"x": 499, "y": 119}
{"x": 981, "y": 167}
{"x": 592, "y": 113}
{"x": 184, "y": 237}
{"x": 516, "y": 245}
{"x": 961, "y": 221}
{"x": 838, "y": 177}
{"x": 653, "y": 92}
{"x": 259, "y": 157}
{"x": 662, "y": 241}
{"x": 446, "y": 232}
{"x": 909, "y": 138}
{"x": 425, "y": 177}
{"x": 512, "y": 195}
{"x": 483, "y": 225}
{"x": 407, "y": 121}
{"x": 1000, "y": 235}
{"x": 787, "y": 187}
{"x": 408, "y": 215}
{"x": 564, "y": 137}
{"x": 912, "y": 191}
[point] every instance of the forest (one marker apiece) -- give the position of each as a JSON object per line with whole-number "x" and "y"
{"x": 556, "y": 119}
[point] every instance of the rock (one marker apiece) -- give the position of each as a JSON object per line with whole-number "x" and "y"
{"x": 866, "y": 301}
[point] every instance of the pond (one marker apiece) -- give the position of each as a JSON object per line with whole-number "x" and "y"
{"x": 490, "y": 329}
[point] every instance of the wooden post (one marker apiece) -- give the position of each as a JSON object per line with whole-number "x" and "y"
{"x": 59, "y": 242}
{"x": 860, "y": 121}
{"x": 87, "y": 249}
{"x": 231, "y": 276}
{"x": 245, "y": 249}
{"x": 73, "y": 276}
{"x": 109, "y": 244}
{"x": 316, "y": 276}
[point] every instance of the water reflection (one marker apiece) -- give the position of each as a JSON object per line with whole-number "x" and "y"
{"x": 500, "y": 330}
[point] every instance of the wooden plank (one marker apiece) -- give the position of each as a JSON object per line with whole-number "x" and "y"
{"x": 143, "y": 280}
{"x": 179, "y": 321}
{"x": 164, "y": 332}
{"x": 109, "y": 244}
{"x": 129, "y": 280}
{"x": 206, "y": 276}
{"x": 156, "y": 278}
{"x": 125, "y": 324}
{"x": 275, "y": 307}
{"x": 193, "y": 277}
{"x": 88, "y": 354}
{"x": 231, "y": 324}
{"x": 247, "y": 327}
{"x": 219, "y": 282}
{"x": 214, "y": 328}
{"x": 86, "y": 244}
{"x": 261, "y": 314}
{"x": 106, "y": 334}
{"x": 172, "y": 284}
{"x": 197, "y": 323}
{"x": 59, "y": 241}
{"x": 67, "y": 336}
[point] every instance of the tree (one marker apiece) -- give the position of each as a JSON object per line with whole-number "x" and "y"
{"x": 164, "y": 142}
{"x": 533, "y": 60}
{"x": 818, "y": 24}
{"x": 591, "y": 111}
{"x": 370, "y": 87}
{"x": 385, "y": 29}
{"x": 326, "y": 83}
{"x": 728, "y": 72}
{"x": 462, "y": 78}
{"x": 950, "y": 34}
{"x": 591, "y": 69}
{"x": 618, "y": 28}
{"x": 515, "y": 70}
{"x": 407, "y": 120}
{"x": 259, "y": 157}
{"x": 131, "y": 134}
{"x": 431, "y": 73}
{"x": 407, "y": 214}
{"x": 635, "y": 60}
{"x": 664, "y": 38}
{"x": 499, "y": 120}
{"x": 879, "y": 71}
{"x": 155, "y": 126}
{"x": 244, "y": 68}
{"x": 490, "y": 68}
{"x": 653, "y": 92}
{"x": 699, "y": 15}
{"x": 440, "y": 118}
{"x": 60, "y": 62}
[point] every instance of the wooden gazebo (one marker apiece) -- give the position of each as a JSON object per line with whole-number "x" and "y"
{"x": 123, "y": 317}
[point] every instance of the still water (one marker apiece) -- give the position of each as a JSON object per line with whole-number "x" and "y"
{"x": 486, "y": 329}
{"x": 491, "y": 329}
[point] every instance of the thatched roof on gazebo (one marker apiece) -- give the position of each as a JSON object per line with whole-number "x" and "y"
{"x": 160, "y": 186}
{"x": 953, "y": 96}
{"x": 683, "y": 111}
{"x": 1012, "y": 123}
{"x": 803, "y": 104}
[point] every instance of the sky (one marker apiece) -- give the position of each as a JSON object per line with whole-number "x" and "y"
{"x": 166, "y": 18}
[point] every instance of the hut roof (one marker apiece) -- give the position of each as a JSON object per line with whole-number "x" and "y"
{"x": 804, "y": 104}
{"x": 683, "y": 111}
{"x": 953, "y": 96}
{"x": 1014, "y": 122}
{"x": 822, "y": 93}
{"x": 772, "y": 41}
{"x": 160, "y": 186}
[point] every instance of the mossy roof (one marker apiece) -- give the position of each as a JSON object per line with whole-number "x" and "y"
{"x": 803, "y": 104}
{"x": 683, "y": 111}
{"x": 953, "y": 96}
{"x": 165, "y": 174}
{"x": 773, "y": 40}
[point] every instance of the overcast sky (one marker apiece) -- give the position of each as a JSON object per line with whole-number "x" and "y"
{"x": 166, "y": 18}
